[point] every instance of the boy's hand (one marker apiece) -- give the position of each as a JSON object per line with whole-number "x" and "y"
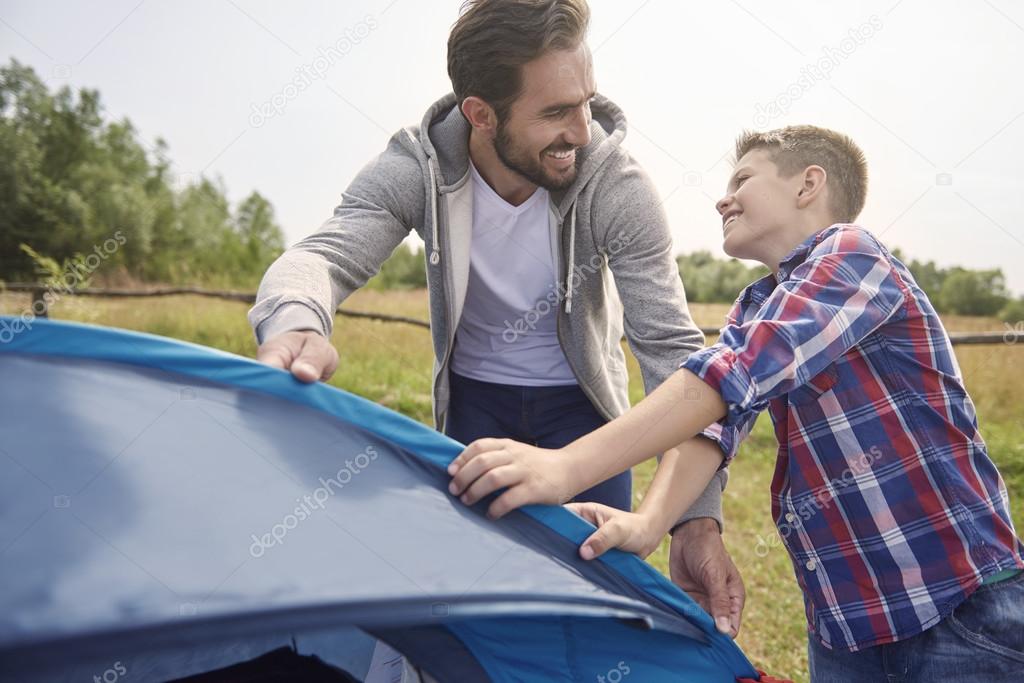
{"x": 530, "y": 475}
{"x": 616, "y": 528}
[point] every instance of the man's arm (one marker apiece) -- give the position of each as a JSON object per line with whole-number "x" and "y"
{"x": 304, "y": 286}
{"x": 662, "y": 334}
{"x": 657, "y": 322}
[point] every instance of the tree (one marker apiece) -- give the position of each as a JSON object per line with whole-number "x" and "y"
{"x": 70, "y": 181}
{"x": 404, "y": 269}
{"x": 260, "y": 235}
{"x": 973, "y": 292}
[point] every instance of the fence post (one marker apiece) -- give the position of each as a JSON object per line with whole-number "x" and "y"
{"x": 39, "y": 306}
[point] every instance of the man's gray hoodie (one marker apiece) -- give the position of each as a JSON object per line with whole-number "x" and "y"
{"x": 608, "y": 229}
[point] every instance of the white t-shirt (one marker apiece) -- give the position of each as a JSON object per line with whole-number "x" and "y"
{"x": 507, "y": 331}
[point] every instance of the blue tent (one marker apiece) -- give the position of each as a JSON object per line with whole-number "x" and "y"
{"x": 168, "y": 510}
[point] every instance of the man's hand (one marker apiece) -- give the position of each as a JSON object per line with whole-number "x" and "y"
{"x": 700, "y": 565}
{"x": 308, "y": 354}
{"x": 629, "y": 531}
{"x": 530, "y": 475}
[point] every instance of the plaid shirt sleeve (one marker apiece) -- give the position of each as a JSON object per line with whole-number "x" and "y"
{"x": 729, "y": 437}
{"x": 844, "y": 290}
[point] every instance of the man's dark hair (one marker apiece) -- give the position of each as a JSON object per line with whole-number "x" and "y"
{"x": 493, "y": 39}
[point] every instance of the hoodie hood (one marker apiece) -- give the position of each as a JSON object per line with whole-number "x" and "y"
{"x": 446, "y": 141}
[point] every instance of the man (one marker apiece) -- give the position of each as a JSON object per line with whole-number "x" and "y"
{"x": 541, "y": 234}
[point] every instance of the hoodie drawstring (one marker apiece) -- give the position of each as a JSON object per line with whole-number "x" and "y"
{"x": 435, "y": 253}
{"x": 572, "y": 259}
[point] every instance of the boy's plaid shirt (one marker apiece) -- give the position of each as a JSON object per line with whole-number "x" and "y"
{"x": 884, "y": 494}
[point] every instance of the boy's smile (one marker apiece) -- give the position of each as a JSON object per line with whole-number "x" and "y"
{"x": 728, "y": 217}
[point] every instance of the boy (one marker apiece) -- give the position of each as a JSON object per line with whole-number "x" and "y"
{"x": 898, "y": 521}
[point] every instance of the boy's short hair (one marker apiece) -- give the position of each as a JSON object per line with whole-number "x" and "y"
{"x": 794, "y": 148}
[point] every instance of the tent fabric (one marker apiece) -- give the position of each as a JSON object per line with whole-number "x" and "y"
{"x": 176, "y": 509}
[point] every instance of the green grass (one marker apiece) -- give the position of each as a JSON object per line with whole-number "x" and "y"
{"x": 391, "y": 363}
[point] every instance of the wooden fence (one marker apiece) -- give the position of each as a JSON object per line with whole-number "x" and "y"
{"x": 40, "y": 308}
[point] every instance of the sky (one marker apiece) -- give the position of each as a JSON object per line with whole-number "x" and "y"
{"x": 292, "y": 99}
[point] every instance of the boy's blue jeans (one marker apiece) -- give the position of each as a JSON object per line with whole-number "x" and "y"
{"x": 548, "y": 417}
{"x": 981, "y": 642}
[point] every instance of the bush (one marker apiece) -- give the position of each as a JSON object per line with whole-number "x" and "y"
{"x": 710, "y": 280}
{"x": 1013, "y": 312}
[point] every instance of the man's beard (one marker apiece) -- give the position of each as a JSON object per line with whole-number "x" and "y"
{"x": 530, "y": 168}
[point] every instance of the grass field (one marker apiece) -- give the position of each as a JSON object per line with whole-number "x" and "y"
{"x": 390, "y": 363}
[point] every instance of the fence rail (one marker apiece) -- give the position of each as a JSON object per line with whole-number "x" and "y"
{"x": 40, "y": 307}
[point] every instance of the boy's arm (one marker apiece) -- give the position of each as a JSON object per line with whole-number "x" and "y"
{"x": 727, "y": 438}
{"x": 843, "y": 292}
{"x": 675, "y": 412}
{"x": 679, "y": 480}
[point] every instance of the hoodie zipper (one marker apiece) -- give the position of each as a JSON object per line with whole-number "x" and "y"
{"x": 441, "y": 245}
{"x": 436, "y": 209}
{"x": 568, "y": 309}
{"x": 446, "y": 276}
